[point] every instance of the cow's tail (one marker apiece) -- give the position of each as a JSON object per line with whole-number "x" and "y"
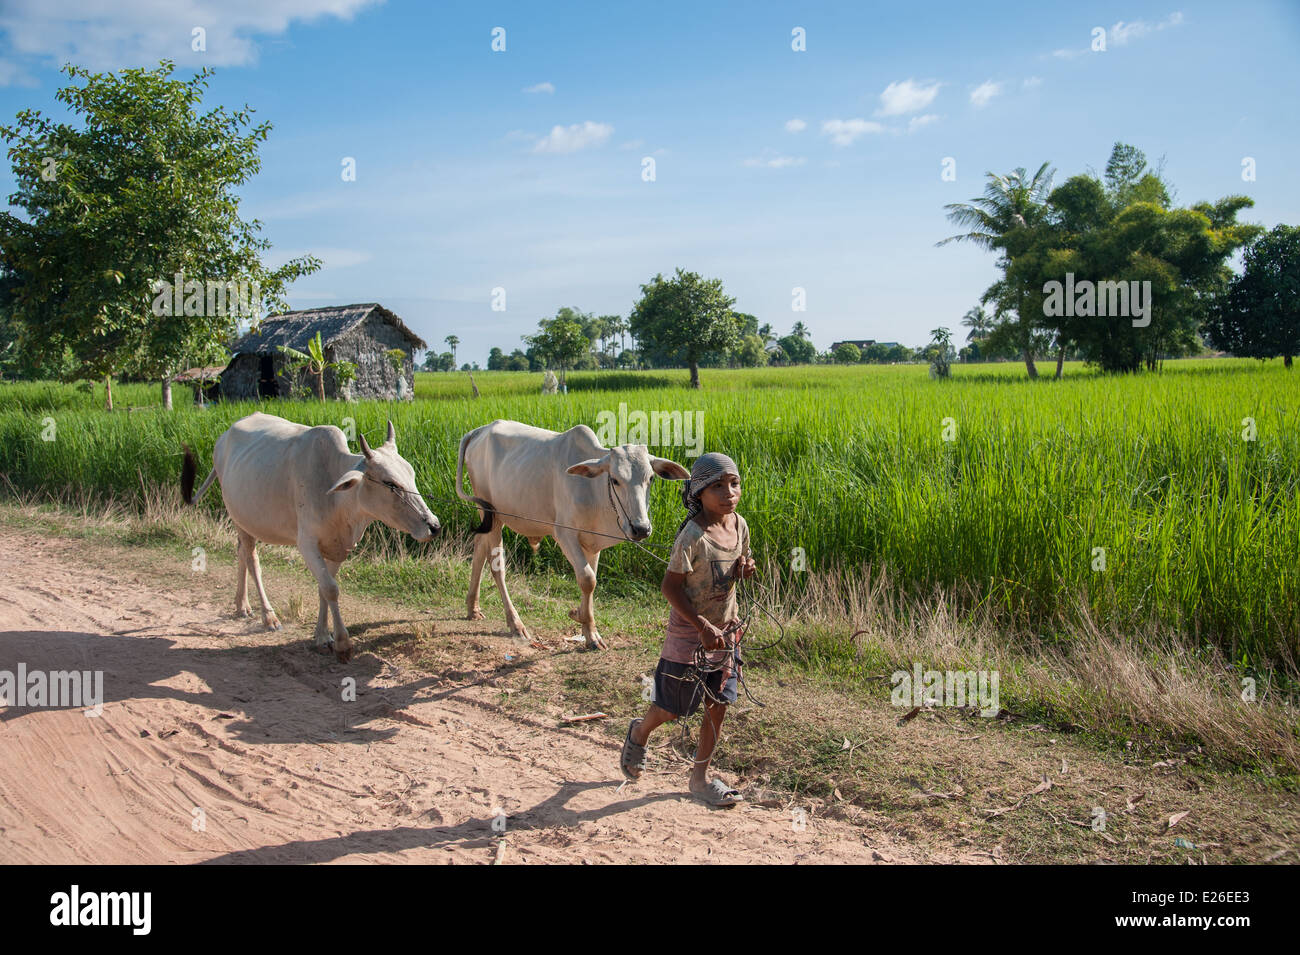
{"x": 485, "y": 525}
{"x": 189, "y": 469}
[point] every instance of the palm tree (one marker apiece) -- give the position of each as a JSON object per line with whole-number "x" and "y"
{"x": 452, "y": 341}
{"x": 979, "y": 323}
{"x": 800, "y": 330}
{"x": 1010, "y": 203}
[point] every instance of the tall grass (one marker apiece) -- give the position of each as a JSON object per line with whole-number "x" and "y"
{"x": 1198, "y": 528}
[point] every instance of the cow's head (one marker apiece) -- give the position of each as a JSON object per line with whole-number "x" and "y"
{"x": 384, "y": 483}
{"x": 629, "y": 470}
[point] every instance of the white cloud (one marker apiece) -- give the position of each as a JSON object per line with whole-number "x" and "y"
{"x": 568, "y": 139}
{"x": 844, "y": 131}
{"x": 1031, "y": 82}
{"x": 795, "y": 126}
{"x": 906, "y": 97}
{"x": 540, "y": 88}
{"x": 981, "y": 94}
{"x": 776, "y": 162}
{"x": 126, "y": 33}
{"x": 916, "y": 122}
{"x": 632, "y": 144}
{"x": 1122, "y": 33}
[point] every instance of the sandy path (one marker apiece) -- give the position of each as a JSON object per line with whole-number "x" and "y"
{"x": 203, "y": 712}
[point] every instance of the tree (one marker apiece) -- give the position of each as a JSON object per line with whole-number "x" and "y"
{"x": 940, "y": 352}
{"x": 559, "y": 342}
{"x": 1259, "y": 317}
{"x": 797, "y": 349}
{"x": 313, "y": 361}
{"x": 979, "y": 323}
{"x": 848, "y": 354}
{"x": 452, "y": 341}
{"x": 1004, "y": 220}
{"x": 1125, "y": 233}
{"x": 686, "y": 317}
{"x": 750, "y": 353}
{"x": 139, "y": 191}
{"x": 496, "y": 360}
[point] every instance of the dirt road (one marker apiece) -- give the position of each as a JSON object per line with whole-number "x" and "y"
{"x": 220, "y": 743}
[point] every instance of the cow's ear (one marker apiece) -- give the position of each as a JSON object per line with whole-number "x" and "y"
{"x": 590, "y": 468}
{"x": 347, "y": 482}
{"x": 669, "y": 470}
{"x": 392, "y": 435}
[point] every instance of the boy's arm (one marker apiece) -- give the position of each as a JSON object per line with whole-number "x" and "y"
{"x": 674, "y": 592}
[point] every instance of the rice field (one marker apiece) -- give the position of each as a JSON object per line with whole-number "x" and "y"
{"x": 1144, "y": 499}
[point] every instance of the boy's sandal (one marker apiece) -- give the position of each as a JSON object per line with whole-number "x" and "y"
{"x": 633, "y": 756}
{"x": 719, "y": 794}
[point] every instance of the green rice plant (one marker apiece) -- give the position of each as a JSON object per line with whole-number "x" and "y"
{"x": 1172, "y": 497}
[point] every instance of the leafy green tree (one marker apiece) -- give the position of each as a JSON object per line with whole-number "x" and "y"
{"x": 1004, "y": 220}
{"x": 452, "y": 341}
{"x": 848, "y": 354}
{"x": 797, "y": 349}
{"x": 496, "y": 360}
{"x": 750, "y": 353}
{"x": 1125, "y": 230}
{"x": 1259, "y": 317}
{"x": 139, "y": 189}
{"x": 314, "y": 363}
{"x": 560, "y": 342}
{"x": 685, "y": 317}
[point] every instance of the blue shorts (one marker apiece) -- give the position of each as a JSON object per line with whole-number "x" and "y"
{"x": 679, "y": 692}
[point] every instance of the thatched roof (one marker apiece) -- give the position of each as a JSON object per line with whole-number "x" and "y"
{"x": 210, "y": 373}
{"x": 296, "y": 329}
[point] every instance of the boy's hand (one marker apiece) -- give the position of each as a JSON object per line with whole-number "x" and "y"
{"x": 711, "y": 638}
{"x": 743, "y": 568}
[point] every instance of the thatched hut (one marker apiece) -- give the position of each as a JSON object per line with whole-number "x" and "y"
{"x": 361, "y": 334}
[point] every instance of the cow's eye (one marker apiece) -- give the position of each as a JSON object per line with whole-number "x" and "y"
{"x": 390, "y": 485}
{"x": 614, "y": 481}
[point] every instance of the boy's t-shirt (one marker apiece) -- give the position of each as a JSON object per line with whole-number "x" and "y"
{"x": 709, "y": 586}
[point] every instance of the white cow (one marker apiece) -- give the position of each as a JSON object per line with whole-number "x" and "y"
{"x": 558, "y": 482}
{"x": 286, "y": 483}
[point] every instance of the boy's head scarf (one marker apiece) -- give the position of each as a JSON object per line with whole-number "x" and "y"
{"x": 707, "y": 469}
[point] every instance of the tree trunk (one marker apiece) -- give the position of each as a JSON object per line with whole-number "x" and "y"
{"x": 167, "y": 392}
{"x": 1060, "y": 362}
{"x": 1029, "y": 364}
{"x": 1286, "y": 360}
{"x": 108, "y": 392}
{"x": 695, "y": 374}
{"x": 320, "y": 386}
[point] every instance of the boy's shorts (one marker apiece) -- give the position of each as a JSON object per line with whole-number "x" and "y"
{"x": 679, "y": 692}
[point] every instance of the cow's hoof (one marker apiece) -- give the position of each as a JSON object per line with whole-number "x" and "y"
{"x": 475, "y": 614}
{"x": 596, "y": 642}
{"x": 243, "y": 611}
{"x": 521, "y": 633}
{"x": 343, "y": 655}
{"x": 271, "y": 622}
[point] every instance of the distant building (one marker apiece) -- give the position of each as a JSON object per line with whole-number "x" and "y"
{"x": 862, "y": 345}
{"x": 361, "y": 334}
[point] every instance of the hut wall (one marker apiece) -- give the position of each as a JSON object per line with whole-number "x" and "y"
{"x": 364, "y": 346}
{"x": 239, "y": 380}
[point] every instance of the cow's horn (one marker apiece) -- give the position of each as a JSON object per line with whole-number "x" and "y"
{"x": 365, "y": 448}
{"x": 392, "y": 434}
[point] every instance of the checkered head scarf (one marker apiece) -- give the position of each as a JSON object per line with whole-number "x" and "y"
{"x": 708, "y": 468}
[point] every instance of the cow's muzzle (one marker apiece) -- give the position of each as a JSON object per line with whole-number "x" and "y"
{"x": 640, "y": 532}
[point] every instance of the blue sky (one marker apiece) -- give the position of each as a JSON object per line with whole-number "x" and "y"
{"x": 522, "y": 169}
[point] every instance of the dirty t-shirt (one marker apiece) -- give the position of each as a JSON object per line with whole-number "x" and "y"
{"x": 709, "y": 585}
